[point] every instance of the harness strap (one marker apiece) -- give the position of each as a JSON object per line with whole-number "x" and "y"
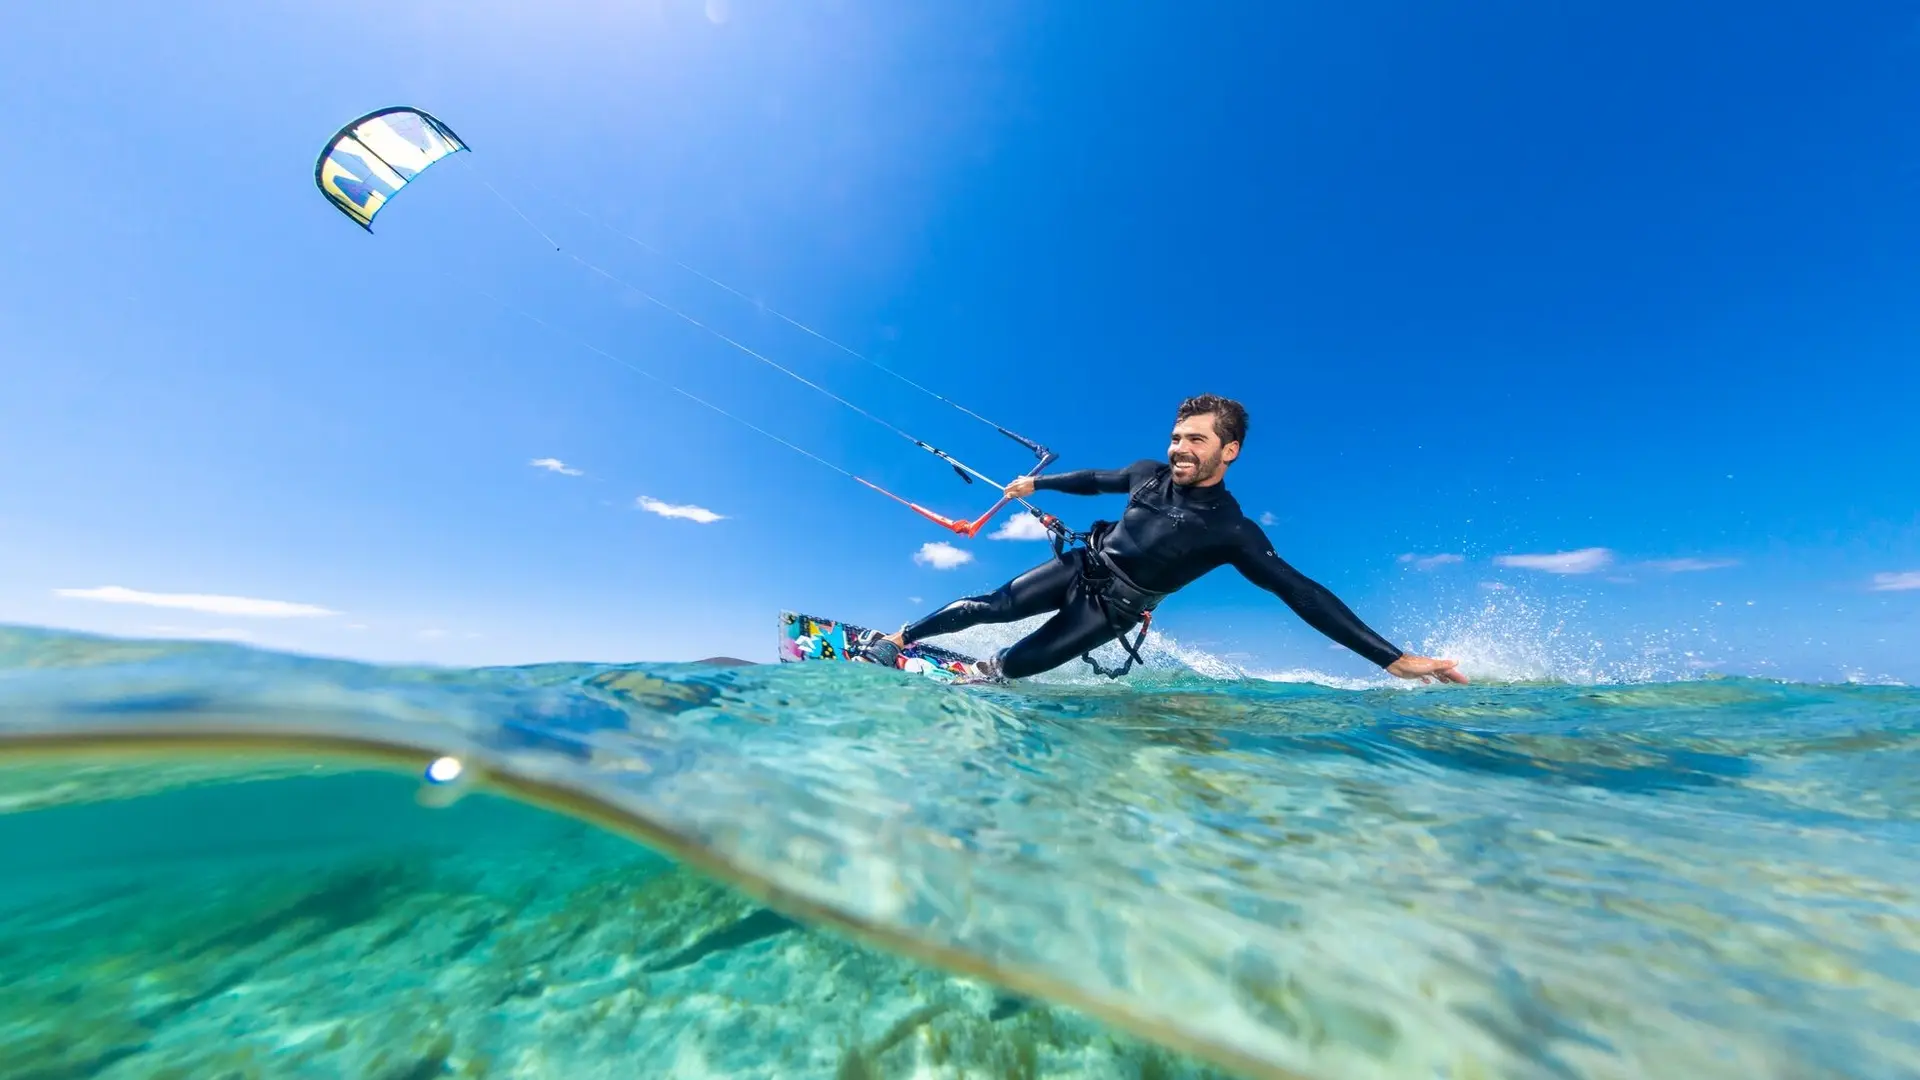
{"x": 1132, "y": 647}
{"x": 1062, "y": 537}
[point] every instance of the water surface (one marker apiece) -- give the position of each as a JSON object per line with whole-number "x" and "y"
{"x": 225, "y": 859}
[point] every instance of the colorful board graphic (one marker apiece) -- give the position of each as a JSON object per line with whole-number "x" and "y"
{"x": 808, "y": 637}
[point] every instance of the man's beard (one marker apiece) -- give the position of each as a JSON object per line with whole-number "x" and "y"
{"x": 1204, "y": 469}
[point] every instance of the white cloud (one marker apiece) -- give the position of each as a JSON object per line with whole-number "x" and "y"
{"x": 431, "y": 633}
{"x": 1020, "y": 527}
{"x": 941, "y": 555}
{"x": 1428, "y": 562}
{"x": 1688, "y": 566}
{"x": 1495, "y": 586}
{"x": 915, "y": 600}
{"x": 1267, "y": 518}
{"x": 668, "y": 510}
{"x": 552, "y": 464}
{"x": 1900, "y": 582}
{"x": 201, "y": 602}
{"x": 1583, "y": 561}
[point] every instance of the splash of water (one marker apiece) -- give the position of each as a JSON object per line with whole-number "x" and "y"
{"x": 1505, "y": 636}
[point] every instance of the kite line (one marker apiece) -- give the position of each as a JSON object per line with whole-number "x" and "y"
{"x": 372, "y": 157}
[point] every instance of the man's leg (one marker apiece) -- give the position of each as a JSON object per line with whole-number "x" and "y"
{"x": 1043, "y": 588}
{"x": 1079, "y": 627}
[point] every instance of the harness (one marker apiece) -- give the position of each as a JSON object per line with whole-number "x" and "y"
{"x": 1117, "y": 596}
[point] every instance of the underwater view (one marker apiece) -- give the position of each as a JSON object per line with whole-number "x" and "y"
{"x": 229, "y": 862}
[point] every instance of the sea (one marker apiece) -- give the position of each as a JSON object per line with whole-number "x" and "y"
{"x": 225, "y": 863}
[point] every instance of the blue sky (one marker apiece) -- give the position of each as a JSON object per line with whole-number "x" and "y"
{"x": 1617, "y": 285}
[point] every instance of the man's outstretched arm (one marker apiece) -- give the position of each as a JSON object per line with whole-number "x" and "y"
{"x": 1320, "y": 609}
{"x": 1084, "y": 481}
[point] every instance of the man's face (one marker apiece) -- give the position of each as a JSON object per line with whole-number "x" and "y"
{"x": 1196, "y": 453}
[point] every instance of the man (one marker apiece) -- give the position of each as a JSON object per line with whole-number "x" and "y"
{"x": 1180, "y": 522}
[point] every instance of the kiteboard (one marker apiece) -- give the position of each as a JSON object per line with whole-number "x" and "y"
{"x": 808, "y": 637}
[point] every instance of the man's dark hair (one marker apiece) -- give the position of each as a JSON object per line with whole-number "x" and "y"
{"x": 1229, "y": 418}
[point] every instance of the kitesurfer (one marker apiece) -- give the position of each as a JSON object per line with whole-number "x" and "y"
{"x": 1180, "y": 522}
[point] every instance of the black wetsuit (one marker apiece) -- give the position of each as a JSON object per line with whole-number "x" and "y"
{"x": 1168, "y": 536}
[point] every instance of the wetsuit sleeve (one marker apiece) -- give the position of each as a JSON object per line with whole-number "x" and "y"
{"x": 1096, "y": 481}
{"x": 1310, "y": 600}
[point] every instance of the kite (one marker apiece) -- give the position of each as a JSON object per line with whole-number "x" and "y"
{"x": 372, "y": 158}
{"x": 369, "y": 160}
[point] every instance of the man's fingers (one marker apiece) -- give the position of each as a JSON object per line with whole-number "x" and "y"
{"x": 1427, "y": 669}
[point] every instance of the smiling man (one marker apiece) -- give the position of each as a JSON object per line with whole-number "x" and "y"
{"x": 1180, "y": 522}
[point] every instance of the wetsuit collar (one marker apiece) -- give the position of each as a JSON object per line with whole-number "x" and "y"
{"x": 1194, "y": 494}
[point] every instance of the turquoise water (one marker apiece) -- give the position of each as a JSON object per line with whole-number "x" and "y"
{"x": 225, "y": 862}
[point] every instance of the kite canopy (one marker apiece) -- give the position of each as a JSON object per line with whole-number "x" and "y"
{"x": 373, "y": 157}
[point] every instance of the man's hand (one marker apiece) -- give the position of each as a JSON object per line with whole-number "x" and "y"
{"x": 1425, "y": 669}
{"x": 1021, "y": 487}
